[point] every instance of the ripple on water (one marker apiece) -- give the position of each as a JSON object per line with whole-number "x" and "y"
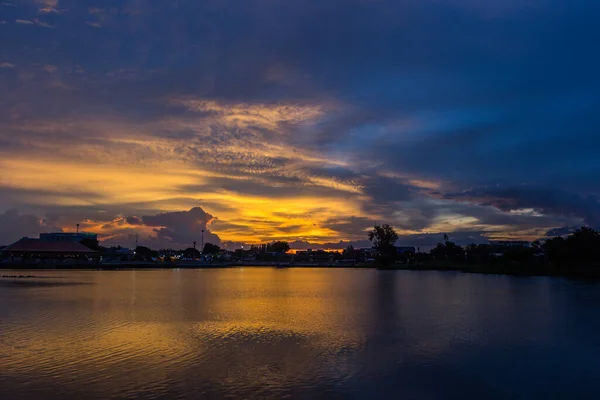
{"x": 259, "y": 333}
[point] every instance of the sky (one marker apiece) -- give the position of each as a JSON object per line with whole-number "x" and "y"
{"x": 307, "y": 121}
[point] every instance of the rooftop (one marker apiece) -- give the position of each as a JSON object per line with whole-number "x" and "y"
{"x": 27, "y": 245}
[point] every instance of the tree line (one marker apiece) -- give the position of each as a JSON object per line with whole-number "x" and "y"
{"x": 144, "y": 253}
{"x": 579, "y": 249}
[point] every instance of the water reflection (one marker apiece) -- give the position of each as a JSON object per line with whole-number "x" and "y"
{"x": 259, "y": 332}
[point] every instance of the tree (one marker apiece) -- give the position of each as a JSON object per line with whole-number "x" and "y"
{"x": 210, "y": 248}
{"x": 449, "y": 251}
{"x": 278, "y": 247}
{"x": 384, "y": 238}
{"x": 522, "y": 256}
{"x": 582, "y": 248}
{"x": 143, "y": 253}
{"x": 479, "y": 254}
{"x": 191, "y": 252}
{"x": 349, "y": 253}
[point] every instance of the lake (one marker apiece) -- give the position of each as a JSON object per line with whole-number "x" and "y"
{"x": 298, "y": 333}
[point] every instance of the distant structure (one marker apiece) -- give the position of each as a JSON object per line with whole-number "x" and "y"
{"x": 510, "y": 243}
{"x": 32, "y": 249}
{"x": 405, "y": 249}
{"x": 67, "y": 236}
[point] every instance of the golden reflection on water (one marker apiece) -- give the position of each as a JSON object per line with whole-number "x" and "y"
{"x": 251, "y": 332}
{"x": 249, "y": 325}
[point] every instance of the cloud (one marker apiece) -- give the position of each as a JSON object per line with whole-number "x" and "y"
{"x": 176, "y": 230}
{"x": 50, "y": 68}
{"x": 6, "y": 65}
{"x": 47, "y": 6}
{"x": 562, "y": 231}
{"x": 94, "y": 24}
{"x": 351, "y": 227}
{"x": 43, "y": 24}
{"x": 294, "y": 120}
{"x": 34, "y": 22}
{"x": 182, "y": 227}
{"x": 545, "y": 200}
{"x": 134, "y": 221}
{"x": 14, "y": 226}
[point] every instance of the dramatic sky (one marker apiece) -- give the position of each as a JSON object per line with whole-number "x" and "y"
{"x": 302, "y": 120}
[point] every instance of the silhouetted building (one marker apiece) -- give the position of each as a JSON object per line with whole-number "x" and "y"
{"x": 32, "y": 249}
{"x": 405, "y": 249}
{"x": 509, "y": 243}
{"x": 67, "y": 236}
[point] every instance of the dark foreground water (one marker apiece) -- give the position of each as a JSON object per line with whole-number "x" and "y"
{"x": 301, "y": 333}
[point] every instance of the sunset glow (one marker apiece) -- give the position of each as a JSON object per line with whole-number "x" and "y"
{"x": 262, "y": 122}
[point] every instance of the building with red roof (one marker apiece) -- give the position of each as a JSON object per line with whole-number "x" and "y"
{"x": 36, "y": 249}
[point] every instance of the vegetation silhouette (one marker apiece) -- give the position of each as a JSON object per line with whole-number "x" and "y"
{"x": 582, "y": 248}
{"x": 384, "y": 238}
{"x": 577, "y": 255}
{"x": 191, "y": 253}
{"x": 211, "y": 249}
{"x": 448, "y": 251}
{"x": 278, "y": 247}
{"x": 143, "y": 253}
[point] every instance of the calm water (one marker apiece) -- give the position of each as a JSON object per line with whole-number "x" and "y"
{"x": 303, "y": 333}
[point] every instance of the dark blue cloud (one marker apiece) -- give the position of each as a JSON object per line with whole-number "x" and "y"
{"x": 497, "y": 96}
{"x": 546, "y": 200}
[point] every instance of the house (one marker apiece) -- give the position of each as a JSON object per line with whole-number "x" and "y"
{"x": 41, "y": 250}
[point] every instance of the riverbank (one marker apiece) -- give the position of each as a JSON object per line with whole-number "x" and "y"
{"x": 511, "y": 270}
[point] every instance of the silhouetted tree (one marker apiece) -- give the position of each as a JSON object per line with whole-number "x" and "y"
{"x": 521, "y": 256}
{"x": 210, "y": 248}
{"x": 582, "y": 248}
{"x": 143, "y": 253}
{"x": 448, "y": 251}
{"x": 479, "y": 254}
{"x": 191, "y": 252}
{"x": 278, "y": 247}
{"x": 384, "y": 238}
{"x": 349, "y": 253}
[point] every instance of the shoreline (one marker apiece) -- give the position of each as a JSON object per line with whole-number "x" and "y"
{"x": 592, "y": 273}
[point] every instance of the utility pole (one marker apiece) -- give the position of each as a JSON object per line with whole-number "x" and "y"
{"x": 78, "y": 229}
{"x": 202, "y": 240}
